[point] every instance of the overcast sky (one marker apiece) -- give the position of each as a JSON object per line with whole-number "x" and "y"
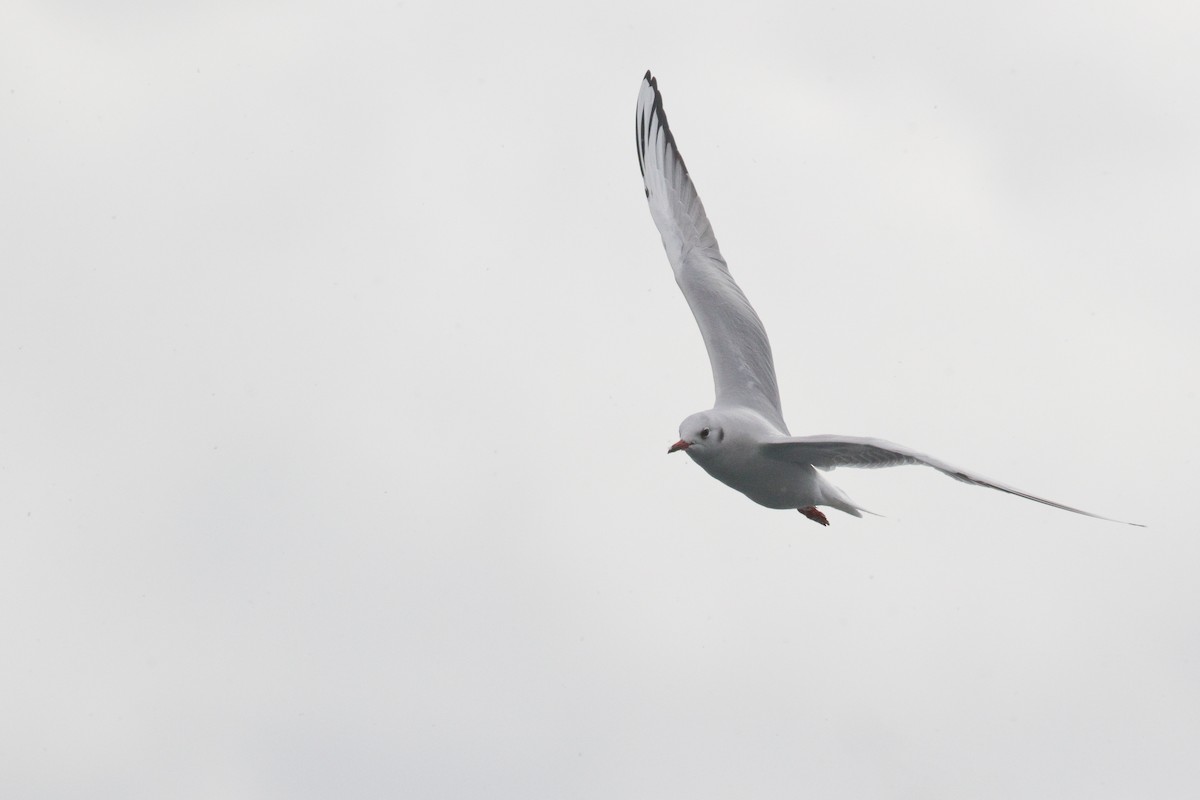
{"x": 341, "y": 356}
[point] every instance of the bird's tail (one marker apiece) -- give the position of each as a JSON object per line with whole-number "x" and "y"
{"x": 836, "y": 498}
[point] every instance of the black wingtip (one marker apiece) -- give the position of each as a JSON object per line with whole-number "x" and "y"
{"x": 656, "y": 109}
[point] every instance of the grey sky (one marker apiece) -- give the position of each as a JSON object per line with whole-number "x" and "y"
{"x": 341, "y": 357}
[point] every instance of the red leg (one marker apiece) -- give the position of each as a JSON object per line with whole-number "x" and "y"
{"x": 812, "y": 513}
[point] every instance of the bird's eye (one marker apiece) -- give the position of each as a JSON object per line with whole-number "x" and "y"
{"x": 704, "y": 433}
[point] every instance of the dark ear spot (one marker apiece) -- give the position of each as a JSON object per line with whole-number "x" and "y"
{"x": 720, "y": 434}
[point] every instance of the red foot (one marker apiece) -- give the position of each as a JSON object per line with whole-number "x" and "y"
{"x": 812, "y": 513}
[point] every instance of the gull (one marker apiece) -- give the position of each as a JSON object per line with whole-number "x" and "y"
{"x": 742, "y": 440}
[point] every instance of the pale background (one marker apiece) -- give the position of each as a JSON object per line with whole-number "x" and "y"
{"x": 340, "y": 357}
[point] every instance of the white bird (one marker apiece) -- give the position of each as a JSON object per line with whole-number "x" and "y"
{"x": 742, "y": 440}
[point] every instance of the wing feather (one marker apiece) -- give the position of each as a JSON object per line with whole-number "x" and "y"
{"x": 734, "y": 336}
{"x": 829, "y": 452}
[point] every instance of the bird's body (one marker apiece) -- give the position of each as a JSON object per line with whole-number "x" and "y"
{"x": 743, "y": 440}
{"x": 739, "y": 460}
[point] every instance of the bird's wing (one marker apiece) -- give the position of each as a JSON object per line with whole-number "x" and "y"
{"x": 743, "y": 371}
{"x": 829, "y": 452}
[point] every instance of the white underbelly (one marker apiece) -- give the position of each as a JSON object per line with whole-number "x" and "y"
{"x": 774, "y": 484}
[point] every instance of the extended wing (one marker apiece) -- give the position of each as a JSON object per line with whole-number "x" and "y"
{"x": 830, "y": 452}
{"x": 743, "y": 371}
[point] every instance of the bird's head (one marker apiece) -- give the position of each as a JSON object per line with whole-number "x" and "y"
{"x": 700, "y": 435}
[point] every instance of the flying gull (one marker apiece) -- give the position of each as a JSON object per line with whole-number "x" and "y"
{"x": 742, "y": 440}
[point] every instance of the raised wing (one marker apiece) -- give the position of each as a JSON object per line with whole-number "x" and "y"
{"x": 743, "y": 371}
{"x": 830, "y": 452}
